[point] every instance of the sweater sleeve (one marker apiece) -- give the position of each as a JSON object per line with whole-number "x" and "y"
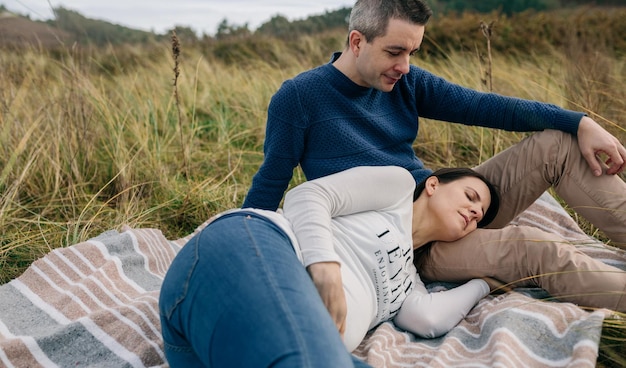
{"x": 282, "y": 149}
{"x": 311, "y": 205}
{"x": 434, "y": 314}
{"x": 445, "y": 101}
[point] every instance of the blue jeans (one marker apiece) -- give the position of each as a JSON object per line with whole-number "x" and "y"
{"x": 237, "y": 296}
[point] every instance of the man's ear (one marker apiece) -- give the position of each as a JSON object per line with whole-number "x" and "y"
{"x": 355, "y": 40}
{"x": 431, "y": 185}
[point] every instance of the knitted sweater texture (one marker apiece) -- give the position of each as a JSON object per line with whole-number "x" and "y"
{"x": 326, "y": 123}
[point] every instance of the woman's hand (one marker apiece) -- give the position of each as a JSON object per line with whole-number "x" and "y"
{"x": 327, "y": 279}
{"x": 497, "y": 286}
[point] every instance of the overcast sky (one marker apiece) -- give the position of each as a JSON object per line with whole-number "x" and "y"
{"x": 162, "y": 15}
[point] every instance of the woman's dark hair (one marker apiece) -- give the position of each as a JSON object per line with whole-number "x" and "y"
{"x": 447, "y": 175}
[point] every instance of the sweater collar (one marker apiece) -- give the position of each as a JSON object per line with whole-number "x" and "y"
{"x": 341, "y": 82}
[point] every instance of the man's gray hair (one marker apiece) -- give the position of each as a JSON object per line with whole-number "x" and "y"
{"x": 371, "y": 17}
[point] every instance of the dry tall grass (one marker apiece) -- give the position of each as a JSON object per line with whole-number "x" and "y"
{"x": 91, "y": 140}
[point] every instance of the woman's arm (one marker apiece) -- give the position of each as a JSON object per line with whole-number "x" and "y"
{"x": 311, "y": 205}
{"x": 434, "y": 314}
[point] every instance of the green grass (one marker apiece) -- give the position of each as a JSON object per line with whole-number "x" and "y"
{"x": 91, "y": 140}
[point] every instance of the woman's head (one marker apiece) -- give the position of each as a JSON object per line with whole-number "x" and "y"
{"x": 451, "y": 175}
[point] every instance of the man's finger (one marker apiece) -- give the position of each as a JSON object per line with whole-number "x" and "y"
{"x": 617, "y": 162}
{"x": 594, "y": 163}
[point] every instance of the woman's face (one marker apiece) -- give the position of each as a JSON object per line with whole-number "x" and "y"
{"x": 458, "y": 206}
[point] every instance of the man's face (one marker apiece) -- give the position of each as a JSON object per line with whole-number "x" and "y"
{"x": 381, "y": 63}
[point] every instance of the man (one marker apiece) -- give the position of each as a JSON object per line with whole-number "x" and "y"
{"x": 363, "y": 107}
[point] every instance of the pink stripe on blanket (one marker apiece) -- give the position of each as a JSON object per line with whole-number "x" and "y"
{"x": 18, "y": 354}
{"x": 150, "y": 243}
{"x": 485, "y": 341}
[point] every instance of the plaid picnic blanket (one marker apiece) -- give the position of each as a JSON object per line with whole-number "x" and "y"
{"x": 95, "y": 304}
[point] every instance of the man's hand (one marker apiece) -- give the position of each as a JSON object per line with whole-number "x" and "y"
{"x": 593, "y": 141}
{"x": 327, "y": 279}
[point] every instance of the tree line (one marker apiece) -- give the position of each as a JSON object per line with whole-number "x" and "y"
{"x": 95, "y": 32}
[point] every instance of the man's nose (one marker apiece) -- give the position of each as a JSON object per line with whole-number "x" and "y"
{"x": 403, "y": 67}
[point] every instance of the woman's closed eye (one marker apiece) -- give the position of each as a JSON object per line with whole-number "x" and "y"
{"x": 471, "y": 196}
{"x": 474, "y": 198}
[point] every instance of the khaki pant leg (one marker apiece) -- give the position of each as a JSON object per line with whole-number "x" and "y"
{"x": 527, "y": 256}
{"x": 552, "y": 158}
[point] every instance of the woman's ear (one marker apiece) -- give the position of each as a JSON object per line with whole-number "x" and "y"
{"x": 431, "y": 185}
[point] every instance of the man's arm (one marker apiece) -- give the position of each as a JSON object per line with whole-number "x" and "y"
{"x": 442, "y": 100}
{"x": 266, "y": 193}
{"x": 282, "y": 149}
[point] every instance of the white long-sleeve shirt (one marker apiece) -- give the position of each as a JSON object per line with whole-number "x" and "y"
{"x": 362, "y": 219}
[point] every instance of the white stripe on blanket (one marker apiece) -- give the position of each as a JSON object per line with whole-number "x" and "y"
{"x": 95, "y": 304}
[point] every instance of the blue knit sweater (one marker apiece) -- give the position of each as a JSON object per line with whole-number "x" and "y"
{"x": 326, "y": 123}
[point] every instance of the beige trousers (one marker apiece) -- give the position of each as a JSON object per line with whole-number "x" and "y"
{"x": 528, "y": 256}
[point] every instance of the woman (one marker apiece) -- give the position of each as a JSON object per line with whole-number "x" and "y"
{"x": 237, "y": 294}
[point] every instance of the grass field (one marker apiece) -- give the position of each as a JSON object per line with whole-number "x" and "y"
{"x": 93, "y": 139}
